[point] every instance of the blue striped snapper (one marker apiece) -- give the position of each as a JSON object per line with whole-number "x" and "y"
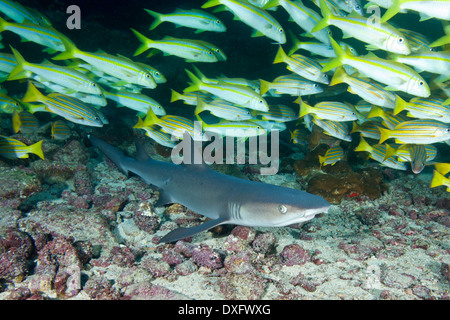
{"x": 7, "y": 63}
{"x": 422, "y": 131}
{"x": 122, "y": 68}
{"x": 135, "y": 101}
{"x": 171, "y": 124}
{"x": 184, "y": 48}
{"x": 43, "y": 35}
{"x": 368, "y": 129}
{"x": 417, "y": 154}
{"x": 223, "y": 109}
{"x": 440, "y": 180}
{"x": 237, "y": 94}
{"x": 155, "y": 134}
{"x": 303, "y": 66}
{"x": 432, "y": 8}
{"x": 395, "y": 75}
{"x": 377, "y": 35}
{"x": 303, "y": 16}
{"x": 63, "y": 76}
{"x": 329, "y": 110}
{"x": 299, "y": 136}
{"x": 12, "y": 149}
{"x": 60, "y": 130}
{"x": 389, "y": 119}
{"x": 256, "y": 18}
{"x": 67, "y": 107}
{"x": 382, "y": 153}
{"x": 24, "y": 122}
{"x": 424, "y": 108}
{"x": 369, "y": 91}
{"x": 21, "y": 14}
{"x": 437, "y": 62}
{"x": 8, "y": 104}
{"x": 291, "y": 84}
{"x": 333, "y": 155}
{"x": 196, "y": 19}
{"x": 335, "y": 129}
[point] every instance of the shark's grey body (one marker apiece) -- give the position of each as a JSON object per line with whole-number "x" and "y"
{"x": 222, "y": 198}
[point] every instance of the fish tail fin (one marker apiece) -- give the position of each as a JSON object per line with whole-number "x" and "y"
{"x": 145, "y": 45}
{"x": 271, "y": 4}
{"x": 157, "y": 16}
{"x": 32, "y": 94}
{"x": 20, "y": 66}
{"x": 264, "y": 86}
{"x": 390, "y": 151}
{"x": 175, "y": 96}
{"x": 71, "y": 49}
{"x": 199, "y": 74}
{"x": 340, "y": 56}
{"x": 442, "y": 168}
{"x": 139, "y": 124}
{"x": 304, "y": 109}
{"x": 375, "y": 112}
{"x": 400, "y": 105}
{"x": 393, "y": 9}
{"x": 196, "y": 82}
{"x": 385, "y": 134}
{"x": 16, "y": 121}
{"x": 363, "y": 146}
{"x": 280, "y": 56}
{"x": 339, "y": 76}
{"x": 210, "y": 3}
{"x": 150, "y": 119}
{"x": 326, "y": 14}
{"x": 37, "y": 149}
{"x": 437, "y": 180}
{"x": 321, "y": 160}
{"x": 200, "y": 106}
{"x": 295, "y": 42}
{"x": 3, "y": 24}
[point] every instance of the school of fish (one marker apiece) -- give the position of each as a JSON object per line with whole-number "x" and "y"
{"x": 401, "y": 83}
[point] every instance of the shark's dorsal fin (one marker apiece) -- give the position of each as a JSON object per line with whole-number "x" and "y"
{"x": 182, "y": 233}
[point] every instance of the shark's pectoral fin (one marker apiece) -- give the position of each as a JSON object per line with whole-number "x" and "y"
{"x": 182, "y": 233}
{"x": 164, "y": 198}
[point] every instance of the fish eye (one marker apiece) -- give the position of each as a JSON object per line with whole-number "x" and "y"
{"x": 282, "y": 208}
{"x": 218, "y": 21}
{"x": 315, "y": 85}
{"x": 400, "y": 40}
{"x": 157, "y": 73}
{"x": 420, "y": 83}
{"x": 357, "y": 7}
{"x": 329, "y": 32}
{"x": 93, "y": 84}
{"x": 147, "y": 75}
{"x": 281, "y": 30}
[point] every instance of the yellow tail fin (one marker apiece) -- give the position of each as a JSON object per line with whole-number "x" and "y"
{"x": 37, "y": 149}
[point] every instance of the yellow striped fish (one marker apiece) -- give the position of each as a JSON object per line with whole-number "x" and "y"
{"x": 421, "y": 131}
{"x": 60, "y": 130}
{"x": 67, "y": 107}
{"x": 333, "y": 155}
{"x": 329, "y": 110}
{"x": 440, "y": 180}
{"x": 156, "y": 135}
{"x": 382, "y": 153}
{"x": 424, "y": 108}
{"x": 8, "y": 104}
{"x": 12, "y": 149}
{"x": 24, "y": 122}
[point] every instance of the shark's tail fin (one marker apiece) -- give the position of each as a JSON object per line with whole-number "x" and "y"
{"x": 113, "y": 154}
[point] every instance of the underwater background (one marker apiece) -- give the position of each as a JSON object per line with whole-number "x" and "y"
{"x": 73, "y": 227}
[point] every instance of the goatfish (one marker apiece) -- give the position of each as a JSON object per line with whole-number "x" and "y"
{"x": 428, "y": 9}
{"x": 135, "y": 101}
{"x": 302, "y": 65}
{"x": 333, "y": 155}
{"x": 256, "y": 18}
{"x": 437, "y": 62}
{"x": 440, "y": 180}
{"x": 43, "y": 35}
{"x": 329, "y": 110}
{"x": 156, "y": 135}
{"x": 292, "y": 84}
{"x": 421, "y": 131}
{"x": 237, "y": 94}
{"x": 187, "y": 49}
{"x": 67, "y": 107}
{"x": 196, "y": 19}
{"x": 429, "y": 108}
{"x": 24, "y": 122}
{"x": 378, "y": 35}
{"x": 223, "y": 109}
{"x": 12, "y": 149}
{"x": 395, "y": 75}
{"x": 303, "y": 16}
{"x": 382, "y": 153}
{"x": 222, "y": 198}
{"x": 417, "y": 41}
{"x": 60, "y": 130}
{"x": 63, "y": 76}
{"x": 21, "y": 14}
{"x": 369, "y": 91}
{"x": 116, "y": 66}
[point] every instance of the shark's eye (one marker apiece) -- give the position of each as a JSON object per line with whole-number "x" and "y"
{"x": 282, "y": 208}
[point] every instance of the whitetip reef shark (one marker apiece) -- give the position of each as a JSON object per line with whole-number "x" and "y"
{"x": 222, "y": 198}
